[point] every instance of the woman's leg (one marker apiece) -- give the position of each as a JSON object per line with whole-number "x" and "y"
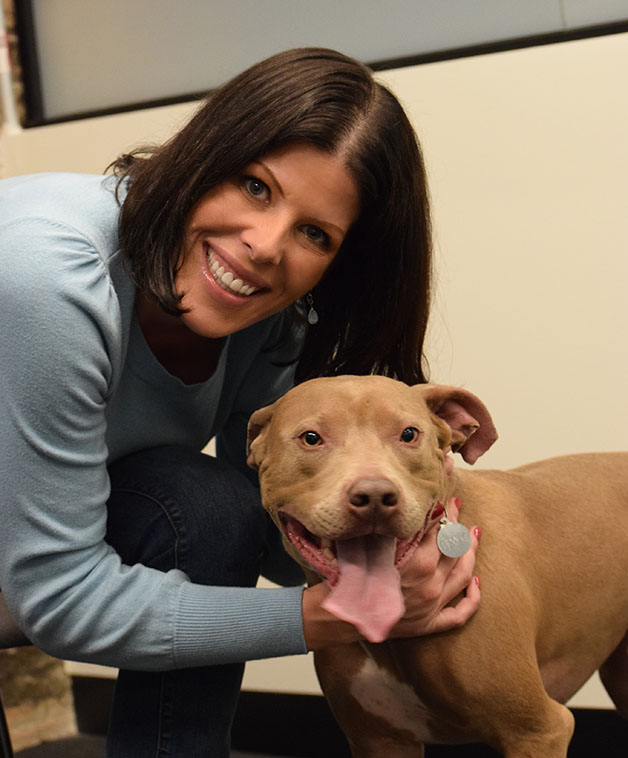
{"x": 176, "y": 508}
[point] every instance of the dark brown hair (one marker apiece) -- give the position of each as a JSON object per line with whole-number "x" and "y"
{"x": 374, "y": 300}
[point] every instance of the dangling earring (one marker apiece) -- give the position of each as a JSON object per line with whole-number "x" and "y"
{"x": 312, "y": 315}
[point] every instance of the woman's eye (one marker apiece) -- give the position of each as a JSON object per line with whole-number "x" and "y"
{"x": 256, "y": 187}
{"x": 409, "y": 434}
{"x": 311, "y": 439}
{"x": 316, "y": 235}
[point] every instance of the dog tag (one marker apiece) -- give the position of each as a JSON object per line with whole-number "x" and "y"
{"x": 453, "y": 538}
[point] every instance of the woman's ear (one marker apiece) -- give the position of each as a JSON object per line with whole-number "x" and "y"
{"x": 470, "y": 423}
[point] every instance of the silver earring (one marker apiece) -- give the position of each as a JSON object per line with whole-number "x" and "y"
{"x": 312, "y": 315}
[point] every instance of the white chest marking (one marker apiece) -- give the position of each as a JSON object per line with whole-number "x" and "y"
{"x": 381, "y": 694}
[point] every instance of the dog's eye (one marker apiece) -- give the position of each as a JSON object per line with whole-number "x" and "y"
{"x": 311, "y": 439}
{"x": 409, "y": 434}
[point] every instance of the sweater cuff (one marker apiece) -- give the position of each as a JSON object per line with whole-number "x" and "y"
{"x": 217, "y": 625}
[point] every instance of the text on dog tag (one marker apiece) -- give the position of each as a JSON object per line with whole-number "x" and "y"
{"x": 453, "y": 538}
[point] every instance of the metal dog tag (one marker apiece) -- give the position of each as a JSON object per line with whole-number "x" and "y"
{"x": 453, "y": 538}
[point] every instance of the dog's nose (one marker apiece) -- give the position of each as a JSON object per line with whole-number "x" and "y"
{"x": 370, "y": 498}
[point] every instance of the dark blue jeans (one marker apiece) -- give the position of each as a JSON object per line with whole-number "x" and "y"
{"x": 177, "y": 508}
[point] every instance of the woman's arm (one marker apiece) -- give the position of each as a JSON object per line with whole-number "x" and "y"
{"x": 60, "y": 351}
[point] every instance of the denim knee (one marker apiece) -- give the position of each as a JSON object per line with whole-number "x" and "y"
{"x": 173, "y": 507}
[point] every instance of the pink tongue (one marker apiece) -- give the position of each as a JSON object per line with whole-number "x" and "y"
{"x": 368, "y": 592}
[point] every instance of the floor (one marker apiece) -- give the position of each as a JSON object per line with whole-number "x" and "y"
{"x": 89, "y": 747}
{"x": 76, "y": 747}
{"x": 602, "y": 734}
{"x": 270, "y": 726}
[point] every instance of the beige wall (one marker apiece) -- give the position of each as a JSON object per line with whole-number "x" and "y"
{"x": 528, "y": 162}
{"x": 528, "y": 158}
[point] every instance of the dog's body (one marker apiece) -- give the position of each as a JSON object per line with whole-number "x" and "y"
{"x": 553, "y": 563}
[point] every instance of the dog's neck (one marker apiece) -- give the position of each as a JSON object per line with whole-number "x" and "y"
{"x": 450, "y": 478}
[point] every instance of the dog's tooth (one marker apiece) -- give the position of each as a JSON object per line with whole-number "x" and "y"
{"x": 326, "y": 549}
{"x": 328, "y": 553}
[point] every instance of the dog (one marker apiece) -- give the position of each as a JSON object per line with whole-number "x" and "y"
{"x": 362, "y": 461}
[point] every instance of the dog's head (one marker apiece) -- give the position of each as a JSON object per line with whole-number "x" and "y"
{"x": 348, "y": 457}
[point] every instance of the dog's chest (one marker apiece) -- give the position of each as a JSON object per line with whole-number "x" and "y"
{"x": 382, "y": 695}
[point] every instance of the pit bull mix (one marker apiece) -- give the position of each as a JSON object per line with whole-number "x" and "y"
{"x": 351, "y": 469}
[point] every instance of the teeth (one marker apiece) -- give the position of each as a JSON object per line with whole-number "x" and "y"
{"x": 329, "y": 555}
{"x": 227, "y": 280}
{"x": 326, "y": 550}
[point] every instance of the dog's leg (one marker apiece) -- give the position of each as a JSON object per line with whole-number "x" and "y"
{"x": 379, "y": 716}
{"x": 614, "y": 676}
{"x": 474, "y": 695}
{"x": 548, "y": 737}
{"x": 527, "y": 722}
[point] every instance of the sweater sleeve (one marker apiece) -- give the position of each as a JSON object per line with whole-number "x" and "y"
{"x": 60, "y": 350}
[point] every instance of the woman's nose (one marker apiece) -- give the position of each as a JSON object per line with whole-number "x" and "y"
{"x": 266, "y": 239}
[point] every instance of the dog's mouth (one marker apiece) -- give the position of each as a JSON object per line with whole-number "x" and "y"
{"x": 321, "y": 553}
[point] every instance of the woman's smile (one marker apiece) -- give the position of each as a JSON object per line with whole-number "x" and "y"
{"x": 259, "y": 242}
{"x": 227, "y": 279}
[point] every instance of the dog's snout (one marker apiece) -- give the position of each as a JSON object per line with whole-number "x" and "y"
{"x": 371, "y": 497}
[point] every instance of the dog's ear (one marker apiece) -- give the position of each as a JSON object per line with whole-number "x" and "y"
{"x": 470, "y": 423}
{"x": 254, "y": 434}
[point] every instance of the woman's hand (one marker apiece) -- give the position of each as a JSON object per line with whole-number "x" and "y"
{"x": 429, "y": 582}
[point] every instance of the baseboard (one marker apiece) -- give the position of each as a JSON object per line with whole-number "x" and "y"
{"x": 92, "y": 702}
{"x": 304, "y": 727}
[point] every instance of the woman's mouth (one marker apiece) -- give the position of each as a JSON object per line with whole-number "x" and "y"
{"x": 228, "y": 280}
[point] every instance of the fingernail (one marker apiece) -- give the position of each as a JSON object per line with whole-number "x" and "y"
{"x": 476, "y": 579}
{"x": 438, "y": 510}
{"x": 458, "y": 503}
{"x": 478, "y": 533}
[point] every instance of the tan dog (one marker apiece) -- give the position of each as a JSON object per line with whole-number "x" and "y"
{"x": 347, "y": 463}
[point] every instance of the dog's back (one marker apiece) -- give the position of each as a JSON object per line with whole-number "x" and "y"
{"x": 556, "y": 538}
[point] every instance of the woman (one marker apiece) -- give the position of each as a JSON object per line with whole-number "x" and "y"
{"x": 145, "y": 315}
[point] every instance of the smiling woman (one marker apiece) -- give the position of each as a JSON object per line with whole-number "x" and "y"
{"x": 146, "y": 313}
{"x": 325, "y": 101}
{"x": 272, "y": 232}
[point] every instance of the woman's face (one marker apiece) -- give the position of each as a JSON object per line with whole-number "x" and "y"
{"x": 260, "y": 241}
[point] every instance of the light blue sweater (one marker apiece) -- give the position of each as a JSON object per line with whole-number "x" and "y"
{"x": 79, "y": 388}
